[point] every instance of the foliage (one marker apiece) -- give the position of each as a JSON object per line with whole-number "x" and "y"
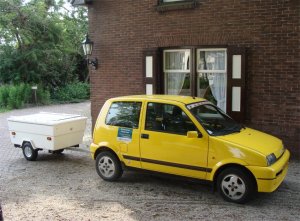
{"x": 40, "y": 43}
{"x": 4, "y": 94}
{"x": 17, "y": 96}
{"x": 74, "y": 92}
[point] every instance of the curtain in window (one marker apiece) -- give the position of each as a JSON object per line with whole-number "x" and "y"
{"x": 215, "y": 60}
{"x": 177, "y": 60}
{"x": 175, "y": 82}
{"x": 218, "y": 89}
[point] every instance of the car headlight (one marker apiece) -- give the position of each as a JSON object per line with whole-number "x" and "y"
{"x": 271, "y": 159}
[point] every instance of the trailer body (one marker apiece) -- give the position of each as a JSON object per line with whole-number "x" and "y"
{"x": 50, "y": 131}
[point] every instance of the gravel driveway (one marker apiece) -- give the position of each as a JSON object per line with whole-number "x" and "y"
{"x": 67, "y": 187}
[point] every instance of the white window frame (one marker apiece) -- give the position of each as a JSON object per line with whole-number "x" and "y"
{"x": 202, "y": 71}
{"x": 211, "y": 49}
{"x": 165, "y": 1}
{"x": 186, "y": 71}
{"x": 176, "y": 70}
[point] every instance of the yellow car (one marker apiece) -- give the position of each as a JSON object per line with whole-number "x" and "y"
{"x": 189, "y": 137}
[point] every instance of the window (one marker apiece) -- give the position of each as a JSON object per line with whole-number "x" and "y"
{"x": 216, "y": 74}
{"x": 177, "y": 72}
{"x": 168, "y": 118}
{"x": 167, "y": 5}
{"x": 124, "y": 114}
{"x": 164, "y": 1}
{"x": 215, "y": 122}
{"x": 211, "y": 73}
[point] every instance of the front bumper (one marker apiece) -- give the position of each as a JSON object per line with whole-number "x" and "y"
{"x": 269, "y": 178}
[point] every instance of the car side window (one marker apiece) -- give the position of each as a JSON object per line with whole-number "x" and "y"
{"x": 168, "y": 118}
{"x": 124, "y": 114}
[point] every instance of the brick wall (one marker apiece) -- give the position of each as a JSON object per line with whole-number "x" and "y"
{"x": 269, "y": 30}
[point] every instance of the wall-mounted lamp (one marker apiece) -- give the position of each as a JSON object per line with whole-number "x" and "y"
{"x": 87, "y": 45}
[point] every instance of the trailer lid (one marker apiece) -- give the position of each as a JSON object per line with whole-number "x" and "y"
{"x": 46, "y": 118}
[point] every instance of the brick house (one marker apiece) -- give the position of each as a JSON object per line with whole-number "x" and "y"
{"x": 242, "y": 55}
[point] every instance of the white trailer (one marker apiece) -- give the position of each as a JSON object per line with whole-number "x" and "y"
{"x": 49, "y": 131}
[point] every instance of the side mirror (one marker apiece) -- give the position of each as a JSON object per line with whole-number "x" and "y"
{"x": 194, "y": 134}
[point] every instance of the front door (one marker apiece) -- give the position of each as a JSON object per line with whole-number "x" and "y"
{"x": 164, "y": 144}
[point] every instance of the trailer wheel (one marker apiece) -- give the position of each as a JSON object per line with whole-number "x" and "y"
{"x": 29, "y": 153}
{"x": 108, "y": 166}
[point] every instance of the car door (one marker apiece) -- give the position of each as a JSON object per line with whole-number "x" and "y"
{"x": 164, "y": 144}
{"x": 122, "y": 128}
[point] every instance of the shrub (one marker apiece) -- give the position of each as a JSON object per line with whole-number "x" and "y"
{"x": 43, "y": 96}
{"x": 26, "y": 93}
{"x": 74, "y": 92}
{"x": 13, "y": 98}
{"x": 4, "y": 93}
{"x": 16, "y": 96}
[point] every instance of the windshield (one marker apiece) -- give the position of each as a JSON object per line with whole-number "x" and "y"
{"x": 214, "y": 120}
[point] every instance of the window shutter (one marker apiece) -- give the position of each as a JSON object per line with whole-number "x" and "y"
{"x": 150, "y": 67}
{"x": 236, "y": 83}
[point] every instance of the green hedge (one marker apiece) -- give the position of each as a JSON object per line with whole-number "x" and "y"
{"x": 74, "y": 92}
{"x": 17, "y": 96}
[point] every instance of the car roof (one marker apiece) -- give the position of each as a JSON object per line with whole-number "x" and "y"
{"x": 178, "y": 98}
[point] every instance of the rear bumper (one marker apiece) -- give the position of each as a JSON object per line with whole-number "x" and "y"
{"x": 93, "y": 148}
{"x": 269, "y": 178}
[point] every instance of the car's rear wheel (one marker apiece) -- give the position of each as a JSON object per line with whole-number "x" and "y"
{"x": 28, "y": 152}
{"x": 235, "y": 185}
{"x": 108, "y": 166}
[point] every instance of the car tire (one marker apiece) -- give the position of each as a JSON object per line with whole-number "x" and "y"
{"x": 108, "y": 166}
{"x": 235, "y": 185}
{"x": 29, "y": 153}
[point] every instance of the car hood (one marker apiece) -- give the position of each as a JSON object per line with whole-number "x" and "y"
{"x": 256, "y": 140}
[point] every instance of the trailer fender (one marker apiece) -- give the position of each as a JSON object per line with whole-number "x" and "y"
{"x": 28, "y": 141}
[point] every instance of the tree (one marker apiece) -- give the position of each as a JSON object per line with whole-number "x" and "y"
{"x": 40, "y": 42}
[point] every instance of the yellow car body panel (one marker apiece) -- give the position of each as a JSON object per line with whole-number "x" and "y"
{"x": 169, "y": 149}
{"x": 269, "y": 178}
{"x": 199, "y": 158}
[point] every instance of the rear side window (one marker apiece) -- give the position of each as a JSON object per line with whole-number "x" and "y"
{"x": 124, "y": 114}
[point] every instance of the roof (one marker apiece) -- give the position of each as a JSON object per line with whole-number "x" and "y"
{"x": 181, "y": 99}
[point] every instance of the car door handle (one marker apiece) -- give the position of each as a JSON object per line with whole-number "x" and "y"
{"x": 145, "y": 136}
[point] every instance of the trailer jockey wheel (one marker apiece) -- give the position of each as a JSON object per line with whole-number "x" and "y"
{"x": 28, "y": 152}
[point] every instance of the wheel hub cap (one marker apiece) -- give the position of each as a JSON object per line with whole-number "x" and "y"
{"x": 28, "y": 151}
{"x": 106, "y": 167}
{"x": 233, "y": 187}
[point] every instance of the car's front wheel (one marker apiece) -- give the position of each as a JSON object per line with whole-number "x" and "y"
{"x": 235, "y": 185}
{"x": 108, "y": 166}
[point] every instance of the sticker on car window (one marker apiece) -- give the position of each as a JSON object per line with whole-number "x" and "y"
{"x": 193, "y": 105}
{"x": 124, "y": 134}
{"x": 209, "y": 131}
